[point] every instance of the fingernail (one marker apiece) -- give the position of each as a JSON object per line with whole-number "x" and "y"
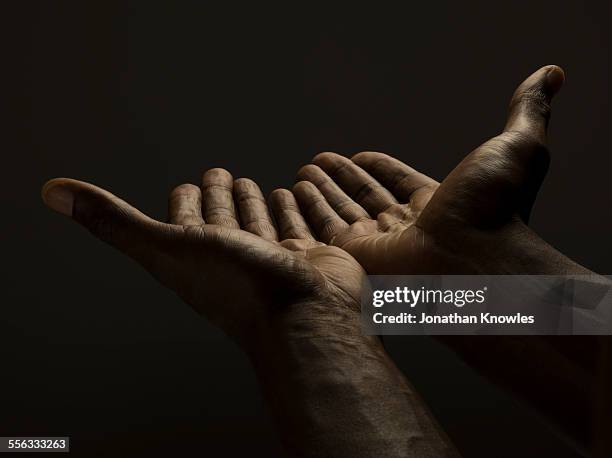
{"x": 554, "y": 79}
{"x": 58, "y": 198}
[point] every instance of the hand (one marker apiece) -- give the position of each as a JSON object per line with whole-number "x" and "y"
{"x": 238, "y": 278}
{"x": 395, "y": 220}
{"x": 292, "y": 305}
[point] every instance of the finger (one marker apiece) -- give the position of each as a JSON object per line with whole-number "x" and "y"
{"x": 110, "y": 219}
{"x": 217, "y": 198}
{"x": 356, "y": 182}
{"x": 394, "y": 175}
{"x": 320, "y": 216}
{"x": 342, "y": 204}
{"x": 253, "y": 209}
{"x": 526, "y": 127}
{"x": 291, "y": 223}
{"x": 185, "y": 206}
{"x": 530, "y": 105}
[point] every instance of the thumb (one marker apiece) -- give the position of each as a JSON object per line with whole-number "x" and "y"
{"x": 502, "y": 176}
{"x": 527, "y": 124}
{"x": 110, "y": 219}
{"x": 530, "y": 105}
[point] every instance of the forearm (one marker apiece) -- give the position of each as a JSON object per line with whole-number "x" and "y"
{"x": 336, "y": 393}
{"x": 557, "y": 374}
{"x": 535, "y": 370}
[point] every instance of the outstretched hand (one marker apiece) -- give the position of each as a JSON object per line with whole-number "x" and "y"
{"x": 395, "y": 220}
{"x": 291, "y": 302}
{"x": 221, "y": 251}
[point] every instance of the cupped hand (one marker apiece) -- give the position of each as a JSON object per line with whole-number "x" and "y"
{"x": 221, "y": 251}
{"x": 395, "y": 220}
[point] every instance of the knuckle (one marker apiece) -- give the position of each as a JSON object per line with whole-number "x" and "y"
{"x": 536, "y": 101}
{"x": 524, "y": 150}
{"x": 366, "y": 189}
{"x": 296, "y": 233}
{"x": 224, "y": 220}
{"x": 99, "y": 222}
{"x": 260, "y": 226}
{"x": 540, "y": 152}
{"x": 528, "y": 146}
{"x": 250, "y": 199}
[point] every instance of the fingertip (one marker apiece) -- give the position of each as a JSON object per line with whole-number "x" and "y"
{"x": 361, "y": 155}
{"x": 547, "y": 79}
{"x": 282, "y": 198}
{"x": 185, "y": 189}
{"x": 327, "y": 158}
{"x": 367, "y": 157}
{"x": 246, "y": 187}
{"x": 57, "y": 195}
{"x": 530, "y": 106}
{"x": 555, "y": 77}
{"x": 216, "y": 174}
{"x": 245, "y": 184}
{"x": 279, "y": 193}
{"x": 303, "y": 186}
{"x": 307, "y": 172}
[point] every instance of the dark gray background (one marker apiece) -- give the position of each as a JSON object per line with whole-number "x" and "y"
{"x": 138, "y": 98}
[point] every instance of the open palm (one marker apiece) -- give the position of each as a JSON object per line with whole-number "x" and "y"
{"x": 395, "y": 220}
{"x": 221, "y": 251}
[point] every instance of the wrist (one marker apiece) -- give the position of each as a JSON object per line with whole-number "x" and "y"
{"x": 299, "y": 324}
{"x": 514, "y": 250}
{"x": 525, "y": 252}
{"x": 320, "y": 373}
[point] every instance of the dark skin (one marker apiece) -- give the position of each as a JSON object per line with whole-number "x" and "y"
{"x": 472, "y": 222}
{"x": 395, "y": 220}
{"x": 290, "y": 302}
